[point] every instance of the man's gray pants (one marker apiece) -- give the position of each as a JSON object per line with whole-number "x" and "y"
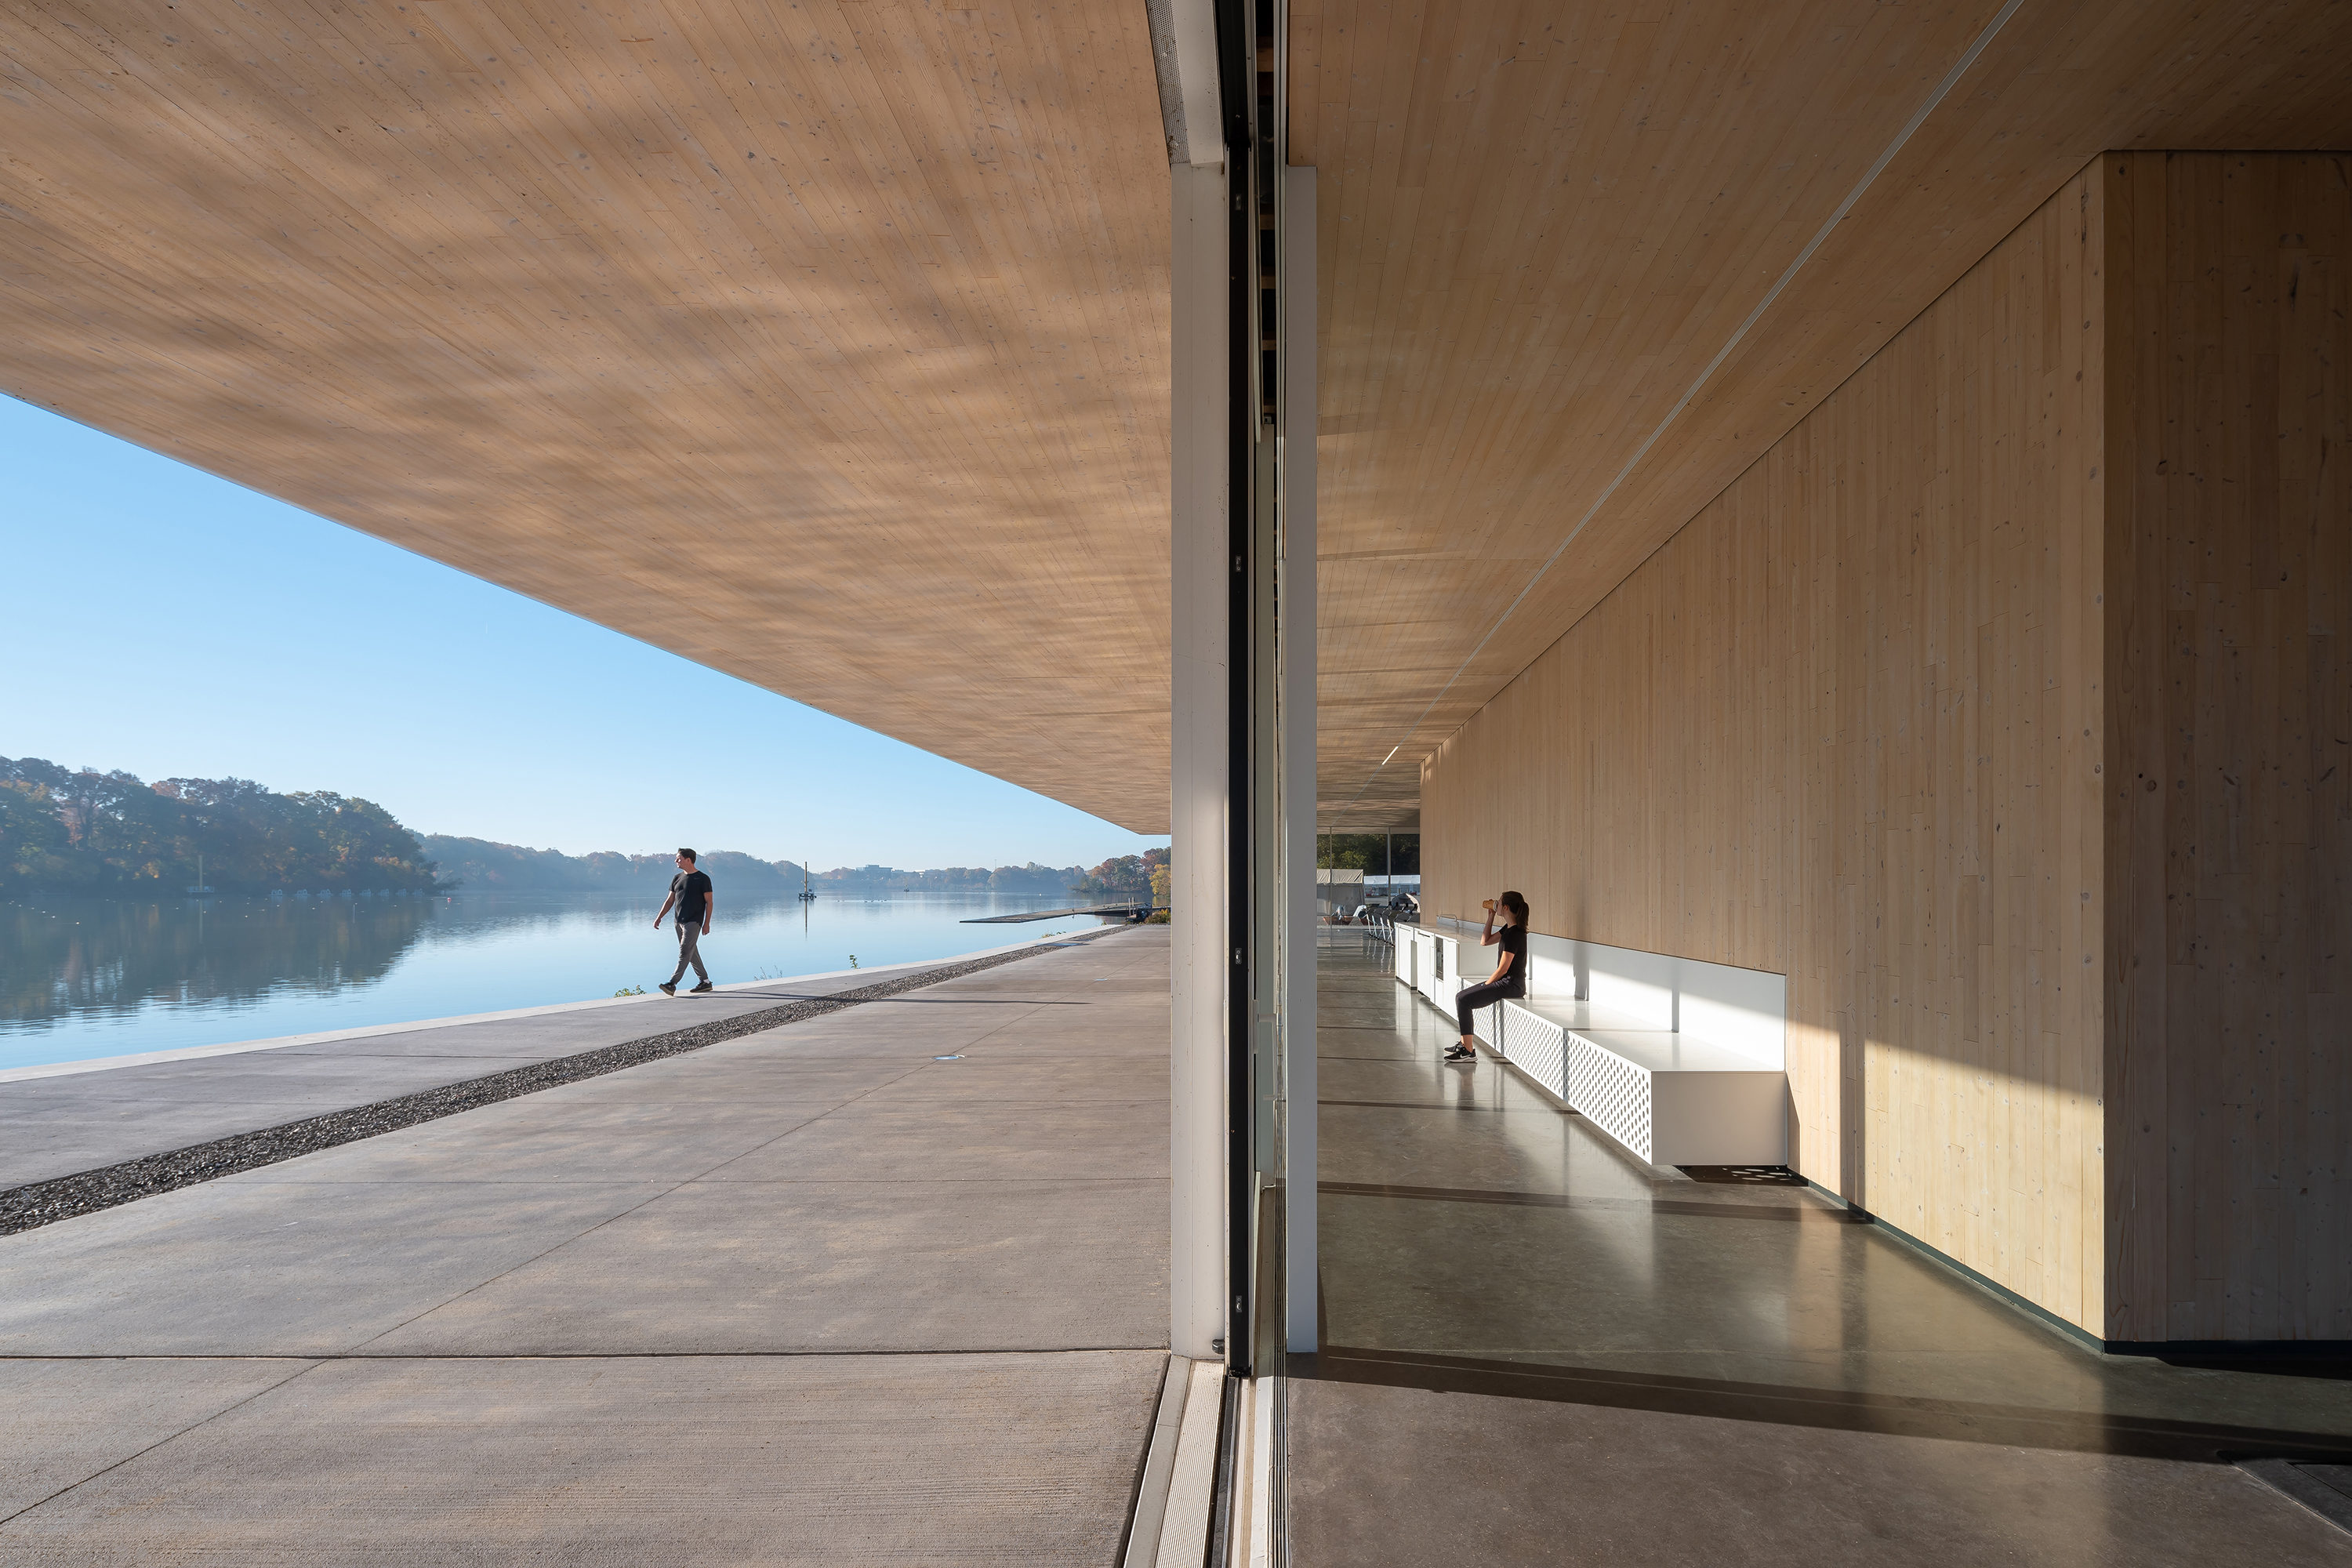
{"x": 688, "y": 937}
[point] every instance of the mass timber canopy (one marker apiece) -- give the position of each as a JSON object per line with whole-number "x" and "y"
{"x": 823, "y": 344}
{"x": 1582, "y": 264}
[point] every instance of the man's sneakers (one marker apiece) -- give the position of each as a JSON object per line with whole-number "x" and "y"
{"x": 667, "y": 988}
{"x": 1460, "y": 1053}
{"x": 699, "y": 989}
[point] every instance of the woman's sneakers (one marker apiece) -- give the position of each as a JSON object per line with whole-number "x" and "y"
{"x": 1461, "y": 1053}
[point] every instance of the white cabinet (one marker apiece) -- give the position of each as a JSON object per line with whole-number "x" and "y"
{"x": 1678, "y": 1060}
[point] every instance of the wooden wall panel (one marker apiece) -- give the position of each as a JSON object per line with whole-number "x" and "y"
{"x": 1540, "y": 224}
{"x": 1845, "y": 725}
{"x": 2229, "y": 848}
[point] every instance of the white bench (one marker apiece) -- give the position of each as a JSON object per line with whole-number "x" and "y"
{"x": 1679, "y": 1061}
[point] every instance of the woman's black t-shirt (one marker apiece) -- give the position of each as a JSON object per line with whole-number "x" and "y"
{"x": 1513, "y": 940}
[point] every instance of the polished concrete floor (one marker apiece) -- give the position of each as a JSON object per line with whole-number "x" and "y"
{"x": 1539, "y": 1350}
{"x": 808, "y": 1296}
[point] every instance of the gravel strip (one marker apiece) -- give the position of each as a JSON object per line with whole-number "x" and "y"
{"x": 39, "y": 1204}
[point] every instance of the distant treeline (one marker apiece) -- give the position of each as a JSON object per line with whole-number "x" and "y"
{"x": 76, "y": 830}
{"x": 484, "y": 866}
{"x": 1374, "y": 854}
{"x": 480, "y": 863}
{"x": 1122, "y": 877}
{"x": 68, "y": 830}
{"x": 1031, "y": 881}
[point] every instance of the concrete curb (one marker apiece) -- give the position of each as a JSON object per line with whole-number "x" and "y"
{"x": 1192, "y": 1473}
{"x": 1159, "y": 1467}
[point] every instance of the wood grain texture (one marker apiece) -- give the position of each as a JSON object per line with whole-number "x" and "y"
{"x": 1846, "y": 726}
{"x": 1541, "y": 223}
{"x": 2228, "y": 831}
{"x": 824, "y": 343}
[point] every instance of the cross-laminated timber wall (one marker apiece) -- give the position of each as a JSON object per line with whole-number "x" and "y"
{"x": 2229, "y": 826}
{"x": 1856, "y": 723}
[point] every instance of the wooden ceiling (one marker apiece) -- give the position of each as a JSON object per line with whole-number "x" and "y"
{"x": 826, "y": 343}
{"x": 823, "y": 342}
{"x": 1541, "y": 223}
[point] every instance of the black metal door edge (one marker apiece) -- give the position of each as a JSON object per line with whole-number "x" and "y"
{"x": 1236, "y": 41}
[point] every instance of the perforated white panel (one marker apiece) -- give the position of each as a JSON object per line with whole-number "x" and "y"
{"x": 1611, "y": 1091}
{"x": 1537, "y": 1046}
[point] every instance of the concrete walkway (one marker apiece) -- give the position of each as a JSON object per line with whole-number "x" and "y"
{"x": 1538, "y": 1350}
{"x": 806, "y": 1296}
{"x": 56, "y": 1122}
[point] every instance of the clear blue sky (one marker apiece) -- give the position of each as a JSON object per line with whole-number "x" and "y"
{"x": 173, "y": 624}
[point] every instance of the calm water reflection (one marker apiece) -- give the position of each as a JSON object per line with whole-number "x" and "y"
{"x": 90, "y": 977}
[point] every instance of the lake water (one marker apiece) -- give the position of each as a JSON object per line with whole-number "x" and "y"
{"x": 92, "y": 977}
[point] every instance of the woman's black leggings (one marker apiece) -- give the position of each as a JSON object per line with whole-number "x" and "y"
{"x": 1468, "y": 1002}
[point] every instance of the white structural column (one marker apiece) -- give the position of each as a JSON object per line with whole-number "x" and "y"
{"x": 1295, "y": 638}
{"x": 1200, "y": 576}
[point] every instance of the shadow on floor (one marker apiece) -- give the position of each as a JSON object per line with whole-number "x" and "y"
{"x": 1540, "y": 1350}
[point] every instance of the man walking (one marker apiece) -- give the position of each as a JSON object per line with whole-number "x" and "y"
{"x": 691, "y": 891}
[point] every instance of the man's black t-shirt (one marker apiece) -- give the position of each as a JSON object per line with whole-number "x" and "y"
{"x": 693, "y": 890}
{"x": 1513, "y": 940}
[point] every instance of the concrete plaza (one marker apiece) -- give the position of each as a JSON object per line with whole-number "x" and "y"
{"x": 810, "y": 1295}
{"x": 1538, "y": 1350}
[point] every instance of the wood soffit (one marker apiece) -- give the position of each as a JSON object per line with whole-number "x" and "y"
{"x": 1538, "y": 223}
{"x": 825, "y": 345}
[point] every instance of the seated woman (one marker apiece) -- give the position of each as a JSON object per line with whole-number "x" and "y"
{"x": 1510, "y": 976}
